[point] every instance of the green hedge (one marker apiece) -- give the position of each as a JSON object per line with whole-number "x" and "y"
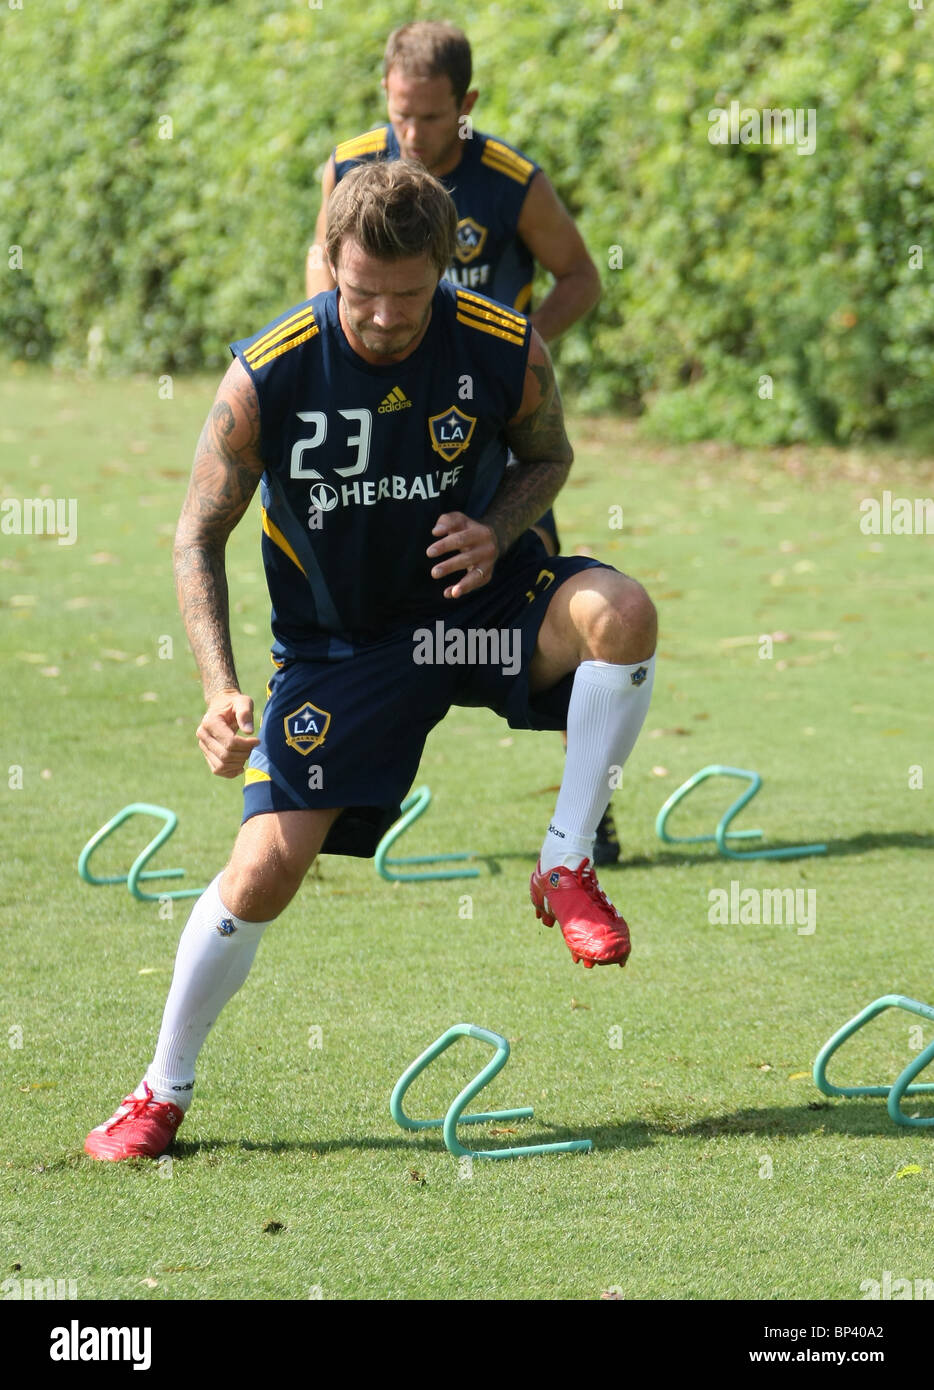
{"x": 739, "y": 262}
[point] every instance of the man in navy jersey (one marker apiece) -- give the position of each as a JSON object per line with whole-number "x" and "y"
{"x": 509, "y": 215}
{"x": 377, "y": 419}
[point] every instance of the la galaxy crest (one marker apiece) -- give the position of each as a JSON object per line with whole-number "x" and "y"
{"x": 450, "y": 432}
{"x": 471, "y": 239}
{"x": 305, "y": 728}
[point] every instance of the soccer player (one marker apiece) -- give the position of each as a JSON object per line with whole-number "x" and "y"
{"x": 378, "y": 419}
{"x": 509, "y": 215}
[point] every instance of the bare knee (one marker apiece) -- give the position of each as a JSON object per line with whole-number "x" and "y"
{"x": 272, "y": 855}
{"x": 259, "y": 889}
{"x": 615, "y": 620}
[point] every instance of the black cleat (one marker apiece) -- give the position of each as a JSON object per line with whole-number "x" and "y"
{"x": 606, "y": 845}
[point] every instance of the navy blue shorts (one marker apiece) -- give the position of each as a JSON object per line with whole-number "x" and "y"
{"x": 350, "y": 732}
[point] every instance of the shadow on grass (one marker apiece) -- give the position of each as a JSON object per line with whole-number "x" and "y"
{"x": 675, "y": 858}
{"x": 865, "y": 843}
{"x": 410, "y": 1144}
{"x": 852, "y": 1117}
{"x": 867, "y": 1118}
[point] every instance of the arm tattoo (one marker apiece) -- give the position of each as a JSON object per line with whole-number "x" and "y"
{"x": 226, "y": 471}
{"x": 545, "y": 455}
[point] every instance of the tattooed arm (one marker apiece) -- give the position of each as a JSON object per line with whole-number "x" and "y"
{"x": 536, "y": 436}
{"x": 226, "y": 471}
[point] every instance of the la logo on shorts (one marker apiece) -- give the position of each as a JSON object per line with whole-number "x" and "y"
{"x": 305, "y": 728}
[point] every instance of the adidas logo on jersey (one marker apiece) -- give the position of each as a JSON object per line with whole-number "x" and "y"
{"x": 396, "y": 400}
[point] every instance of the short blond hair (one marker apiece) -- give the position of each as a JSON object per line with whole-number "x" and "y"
{"x": 392, "y": 209}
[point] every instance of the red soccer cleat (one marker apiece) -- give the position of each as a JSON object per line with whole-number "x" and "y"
{"x": 592, "y": 929}
{"x": 141, "y": 1126}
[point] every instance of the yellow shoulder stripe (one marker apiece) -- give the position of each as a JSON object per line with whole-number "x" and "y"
{"x": 277, "y": 538}
{"x": 507, "y": 169}
{"x": 279, "y": 339}
{"x": 500, "y": 157}
{"x": 253, "y": 774}
{"x": 498, "y": 150}
{"x": 371, "y": 142}
{"x": 274, "y": 335}
{"x": 475, "y": 304}
{"x": 283, "y": 347}
{"x": 488, "y": 328}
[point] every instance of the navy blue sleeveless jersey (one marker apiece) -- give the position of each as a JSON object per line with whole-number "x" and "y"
{"x": 361, "y": 460}
{"x": 488, "y": 187}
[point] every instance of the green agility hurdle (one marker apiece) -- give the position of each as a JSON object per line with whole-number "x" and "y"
{"x": 901, "y": 1086}
{"x": 137, "y": 871}
{"x": 415, "y": 805}
{"x": 723, "y": 832}
{"x": 455, "y": 1115}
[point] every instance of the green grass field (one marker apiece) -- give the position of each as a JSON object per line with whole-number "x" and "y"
{"x": 718, "y": 1171}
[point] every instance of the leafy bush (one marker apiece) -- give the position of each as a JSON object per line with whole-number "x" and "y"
{"x": 161, "y": 161}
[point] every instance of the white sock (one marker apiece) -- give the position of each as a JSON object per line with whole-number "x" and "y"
{"x": 210, "y": 966}
{"x": 607, "y": 709}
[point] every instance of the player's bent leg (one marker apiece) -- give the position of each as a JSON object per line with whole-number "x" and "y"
{"x": 597, "y": 615}
{"x": 602, "y": 626}
{"x": 606, "y": 842}
{"x": 271, "y": 857}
